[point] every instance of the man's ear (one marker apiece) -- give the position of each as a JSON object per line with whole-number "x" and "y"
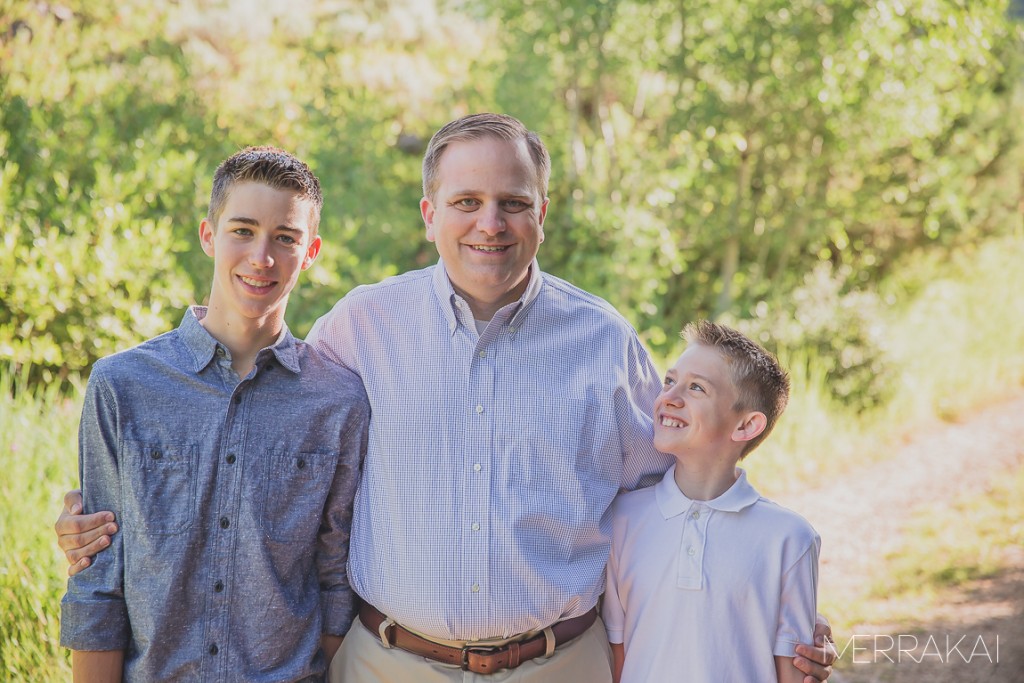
{"x": 543, "y": 214}
{"x": 427, "y": 211}
{"x": 206, "y": 234}
{"x": 311, "y": 252}
{"x": 751, "y": 425}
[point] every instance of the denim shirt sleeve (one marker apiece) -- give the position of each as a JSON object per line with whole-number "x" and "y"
{"x": 93, "y": 611}
{"x": 337, "y": 600}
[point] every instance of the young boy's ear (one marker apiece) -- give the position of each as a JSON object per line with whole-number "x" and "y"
{"x": 751, "y": 426}
{"x": 206, "y": 234}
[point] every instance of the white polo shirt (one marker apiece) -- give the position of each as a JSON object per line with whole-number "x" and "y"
{"x": 708, "y": 590}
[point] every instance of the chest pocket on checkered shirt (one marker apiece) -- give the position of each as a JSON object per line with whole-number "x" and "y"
{"x": 296, "y": 489}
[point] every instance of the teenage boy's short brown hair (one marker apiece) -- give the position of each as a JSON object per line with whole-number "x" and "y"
{"x": 760, "y": 381}
{"x": 270, "y": 166}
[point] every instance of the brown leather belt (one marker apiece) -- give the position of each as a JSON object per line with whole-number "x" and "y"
{"x": 478, "y": 659}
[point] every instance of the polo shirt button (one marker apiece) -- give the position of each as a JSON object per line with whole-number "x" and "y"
{"x": 213, "y": 649}
{"x": 691, "y": 552}
{"x": 224, "y": 523}
{"x": 696, "y": 515}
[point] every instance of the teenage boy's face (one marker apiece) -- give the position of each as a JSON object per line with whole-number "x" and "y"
{"x": 260, "y": 244}
{"x": 694, "y": 412}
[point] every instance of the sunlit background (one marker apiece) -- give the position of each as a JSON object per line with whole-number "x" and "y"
{"x": 841, "y": 179}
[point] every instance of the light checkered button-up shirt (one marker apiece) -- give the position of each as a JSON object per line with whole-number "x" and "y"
{"x": 493, "y": 458}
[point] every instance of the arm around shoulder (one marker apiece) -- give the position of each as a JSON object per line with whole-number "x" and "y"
{"x": 97, "y": 666}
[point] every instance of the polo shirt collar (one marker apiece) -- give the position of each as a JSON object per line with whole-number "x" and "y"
{"x": 202, "y": 346}
{"x": 449, "y": 298}
{"x": 672, "y": 502}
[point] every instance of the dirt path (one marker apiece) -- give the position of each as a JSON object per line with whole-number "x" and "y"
{"x": 862, "y": 518}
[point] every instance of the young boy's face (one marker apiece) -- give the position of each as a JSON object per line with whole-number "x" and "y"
{"x": 261, "y": 242}
{"x": 694, "y": 412}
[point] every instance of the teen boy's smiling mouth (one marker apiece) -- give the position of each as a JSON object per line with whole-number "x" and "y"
{"x": 259, "y": 285}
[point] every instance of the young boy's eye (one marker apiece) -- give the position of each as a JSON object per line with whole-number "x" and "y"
{"x": 668, "y": 382}
{"x": 288, "y": 239}
{"x": 696, "y": 387}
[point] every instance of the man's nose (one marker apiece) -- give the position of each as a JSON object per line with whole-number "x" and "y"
{"x": 490, "y": 220}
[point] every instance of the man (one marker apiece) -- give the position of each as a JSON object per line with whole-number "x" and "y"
{"x": 508, "y": 409}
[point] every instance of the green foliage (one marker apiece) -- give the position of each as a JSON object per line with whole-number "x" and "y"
{"x": 38, "y": 436}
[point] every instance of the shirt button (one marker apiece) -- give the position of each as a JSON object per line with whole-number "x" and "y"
{"x": 238, "y": 399}
{"x": 691, "y": 551}
{"x": 301, "y": 464}
{"x": 270, "y": 366}
{"x": 213, "y": 649}
{"x": 475, "y": 526}
{"x": 157, "y": 455}
{"x": 477, "y": 467}
{"x": 479, "y": 408}
{"x": 475, "y": 588}
{"x": 695, "y": 515}
{"x": 511, "y": 329}
{"x": 224, "y": 523}
{"x": 220, "y": 352}
{"x": 483, "y": 354}
{"x": 230, "y": 458}
{"x": 219, "y": 586}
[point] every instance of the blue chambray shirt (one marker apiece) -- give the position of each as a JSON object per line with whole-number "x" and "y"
{"x": 494, "y": 457}
{"x": 234, "y": 500}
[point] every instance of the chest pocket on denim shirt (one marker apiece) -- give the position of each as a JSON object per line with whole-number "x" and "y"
{"x": 296, "y": 490}
{"x": 160, "y": 486}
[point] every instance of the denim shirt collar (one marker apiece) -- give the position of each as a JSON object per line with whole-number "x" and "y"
{"x": 456, "y": 309}
{"x": 202, "y": 346}
{"x": 673, "y": 502}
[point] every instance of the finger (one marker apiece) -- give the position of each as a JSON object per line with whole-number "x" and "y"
{"x": 76, "y": 554}
{"x": 74, "y": 525}
{"x": 826, "y": 655}
{"x": 814, "y": 671}
{"x": 86, "y": 543}
{"x": 71, "y": 498}
{"x": 79, "y": 566}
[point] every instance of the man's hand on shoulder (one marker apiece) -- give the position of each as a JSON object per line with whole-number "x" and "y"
{"x": 816, "y": 662}
{"x": 82, "y": 536}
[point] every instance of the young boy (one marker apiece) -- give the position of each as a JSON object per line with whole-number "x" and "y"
{"x": 229, "y": 452}
{"x": 707, "y": 580}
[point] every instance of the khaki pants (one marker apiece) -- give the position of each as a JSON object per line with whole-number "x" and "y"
{"x": 363, "y": 659}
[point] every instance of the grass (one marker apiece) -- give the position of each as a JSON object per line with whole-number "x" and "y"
{"x": 38, "y": 437}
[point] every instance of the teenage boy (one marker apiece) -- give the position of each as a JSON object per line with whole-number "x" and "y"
{"x": 229, "y": 452}
{"x": 700, "y": 562}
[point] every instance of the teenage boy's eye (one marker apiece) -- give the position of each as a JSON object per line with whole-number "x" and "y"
{"x": 288, "y": 239}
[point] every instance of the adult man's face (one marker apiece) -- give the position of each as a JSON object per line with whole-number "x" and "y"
{"x": 487, "y": 219}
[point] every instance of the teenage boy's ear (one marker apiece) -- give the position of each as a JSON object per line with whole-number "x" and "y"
{"x": 751, "y": 425}
{"x": 311, "y": 252}
{"x": 206, "y": 233}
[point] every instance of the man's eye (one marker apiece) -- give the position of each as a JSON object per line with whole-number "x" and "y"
{"x": 515, "y": 206}
{"x": 466, "y": 203}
